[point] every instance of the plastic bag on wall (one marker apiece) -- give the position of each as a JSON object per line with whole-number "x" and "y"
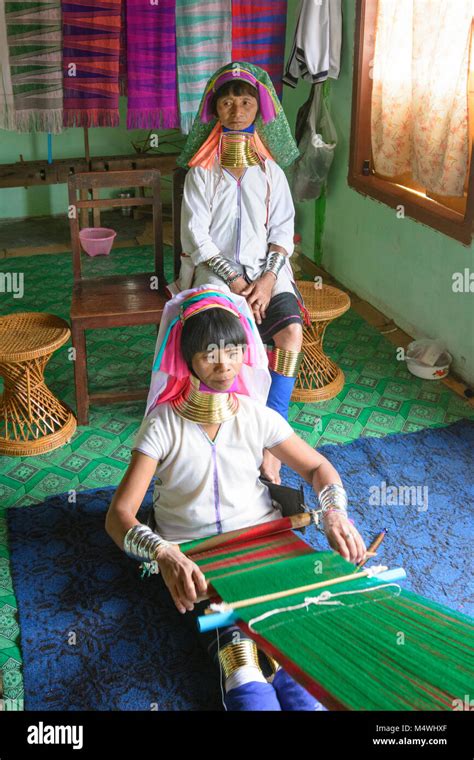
{"x": 317, "y": 146}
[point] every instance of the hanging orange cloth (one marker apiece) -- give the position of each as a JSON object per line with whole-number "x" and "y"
{"x": 206, "y": 154}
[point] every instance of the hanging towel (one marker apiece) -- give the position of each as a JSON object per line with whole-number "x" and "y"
{"x": 204, "y": 44}
{"x": 31, "y": 97}
{"x": 91, "y": 46}
{"x": 316, "y": 50}
{"x": 258, "y": 36}
{"x": 151, "y": 54}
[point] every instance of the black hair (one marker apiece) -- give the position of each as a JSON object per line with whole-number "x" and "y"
{"x": 235, "y": 87}
{"x": 209, "y": 328}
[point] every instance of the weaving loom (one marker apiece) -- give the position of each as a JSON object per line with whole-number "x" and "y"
{"x": 359, "y": 644}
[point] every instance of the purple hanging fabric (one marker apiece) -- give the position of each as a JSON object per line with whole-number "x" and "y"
{"x": 151, "y": 63}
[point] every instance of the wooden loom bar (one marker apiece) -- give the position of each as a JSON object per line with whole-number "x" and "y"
{"x": 290, "y": 591}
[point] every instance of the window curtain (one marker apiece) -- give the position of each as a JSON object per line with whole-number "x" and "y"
{"x": 419, "y": 117}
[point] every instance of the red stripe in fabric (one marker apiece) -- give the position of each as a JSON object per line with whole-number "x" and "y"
{"x": 234, "y": 569}
{"x": 264, "y": 529}
{"x": 278, "y": 540}
{"x": 274, "y": 551}
{"x": 252, "y": 545}
{"x": 285, "y": 551}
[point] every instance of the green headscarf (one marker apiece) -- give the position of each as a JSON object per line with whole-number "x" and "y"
{"x": 275, "y": 134}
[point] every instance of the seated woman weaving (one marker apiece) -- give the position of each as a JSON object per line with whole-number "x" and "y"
{"x": 203, "y": 437}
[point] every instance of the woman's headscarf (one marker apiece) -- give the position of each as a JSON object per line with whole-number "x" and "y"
{"x": 271, "y": 125}
{"x": 171, "y": 375}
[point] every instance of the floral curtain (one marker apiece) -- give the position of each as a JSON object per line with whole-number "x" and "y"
{"x": 419, "y": 117}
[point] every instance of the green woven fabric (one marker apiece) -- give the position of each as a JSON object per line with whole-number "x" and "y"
{"x": 276, "y": 135}
{"x": 387, "y": 649}
{"x": 34, "y": 66}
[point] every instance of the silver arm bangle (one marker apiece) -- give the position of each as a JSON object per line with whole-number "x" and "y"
{"x": 274, "y": 263}
{"x": 141, "y": 543}
{"x": 220, "y": 266}
{"x": 333, "y": 497}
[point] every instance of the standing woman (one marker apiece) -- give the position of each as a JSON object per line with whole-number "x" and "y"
{"x": 237, "y": 220}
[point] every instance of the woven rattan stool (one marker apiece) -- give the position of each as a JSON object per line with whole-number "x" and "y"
{"x": 32, "y": 419}
{"x": 319, "y": 378}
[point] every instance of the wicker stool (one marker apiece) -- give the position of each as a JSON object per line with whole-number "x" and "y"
{"x": 319, "y": 378}
{"x": 32, "y": 420}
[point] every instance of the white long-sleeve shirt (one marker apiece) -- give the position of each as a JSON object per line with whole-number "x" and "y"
{"x": 228, "y": 216}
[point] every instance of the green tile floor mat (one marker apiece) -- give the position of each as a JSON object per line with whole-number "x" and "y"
{"x": 380, "y": 397}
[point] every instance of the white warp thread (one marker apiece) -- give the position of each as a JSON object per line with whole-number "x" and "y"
{"x": 219, "y": 607}
{"x": 323, "y": 598}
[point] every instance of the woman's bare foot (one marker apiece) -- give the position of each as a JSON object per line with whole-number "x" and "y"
{"x": 270, "y": 469}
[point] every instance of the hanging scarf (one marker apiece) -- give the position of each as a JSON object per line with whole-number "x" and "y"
{"x": 204, "y": 42}
{"x": 171, "y": 375}
{"x": 271, "y": 125}
{"x": 7, "y": 105}
{"x": 151, "y": 53}
{"x": 258, "y": 36}
{"x": 91, "y": 48}
{"x": 123, "y": 64}
{"x": 31, "y": 97}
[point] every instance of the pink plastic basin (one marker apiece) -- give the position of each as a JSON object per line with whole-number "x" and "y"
{"x": 97, "y": 241}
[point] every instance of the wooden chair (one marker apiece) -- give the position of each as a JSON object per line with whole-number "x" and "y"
{"x": 117, "y": 300}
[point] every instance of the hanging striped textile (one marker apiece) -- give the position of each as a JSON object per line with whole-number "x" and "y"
{"x": 123, "y": 51}
{"x": 204, "y": 44}
{"x": 151, "y": 53}
{"x": 7, "y": 106}
{"x": 31, "y": 97}
{"x": 91, "y": 47}
{"x": 258, "y": 36}
{"x": 358, "y": 644}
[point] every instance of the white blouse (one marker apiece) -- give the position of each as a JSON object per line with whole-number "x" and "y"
{"x": 228, "y": 216}
{"x": 204, "y": 487}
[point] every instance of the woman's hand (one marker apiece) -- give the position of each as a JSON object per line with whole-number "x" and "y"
{"x": 238, "y": 286}
{"x": 184, "y": 579}
{"x": 258, "y": 295}
{"x": 343, "y": 536}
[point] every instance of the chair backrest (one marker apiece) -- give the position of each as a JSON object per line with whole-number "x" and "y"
{"x": 84, "y": 181}
{"x": 179, "y": 176}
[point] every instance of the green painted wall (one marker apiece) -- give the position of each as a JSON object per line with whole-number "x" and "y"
{"x": 400, "y": 266}
{"x": 293, "y": 98}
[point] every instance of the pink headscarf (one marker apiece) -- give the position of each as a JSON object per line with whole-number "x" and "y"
{"x": 171, "y": 376}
